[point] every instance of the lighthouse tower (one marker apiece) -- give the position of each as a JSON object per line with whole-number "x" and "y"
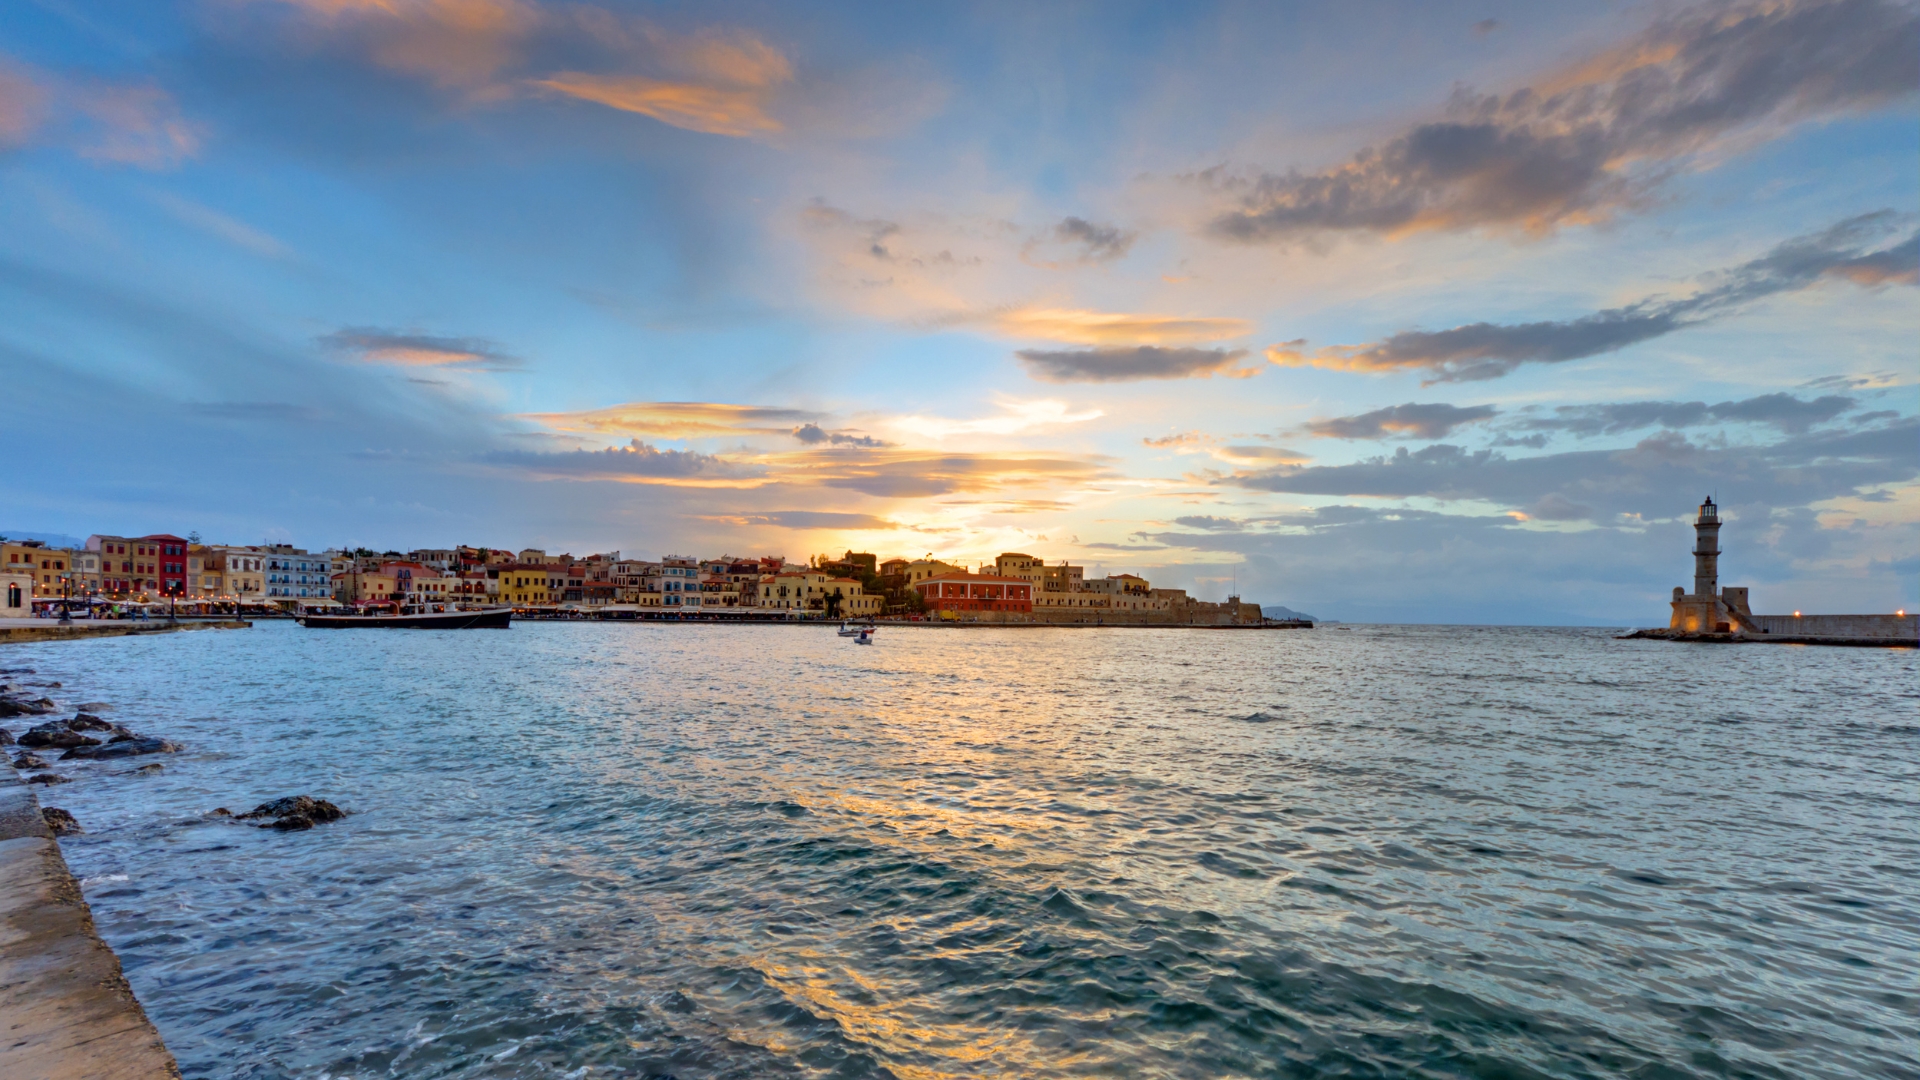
{"x": 1709, "y": 609}
{"x": 1706, "y": 550}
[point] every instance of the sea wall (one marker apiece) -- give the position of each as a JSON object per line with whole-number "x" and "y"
{"x": 1893, "y": 629}
{"x": 66, "y": 1012}
{"x": 22, "y": 630}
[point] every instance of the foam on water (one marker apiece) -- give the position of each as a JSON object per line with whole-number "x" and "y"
{"x": 579, "y": 850}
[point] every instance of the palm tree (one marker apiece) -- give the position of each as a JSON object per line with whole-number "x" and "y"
{"x": 833, "y": 604}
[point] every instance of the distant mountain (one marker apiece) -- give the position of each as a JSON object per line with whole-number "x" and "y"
{"x": 1278, "y": 612}
{"x": 51, "y": 539}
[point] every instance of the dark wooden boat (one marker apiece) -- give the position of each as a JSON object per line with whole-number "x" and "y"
{"x": 490, "y": 619}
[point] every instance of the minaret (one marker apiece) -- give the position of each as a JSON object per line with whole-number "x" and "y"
{"x": 1706, "y": 551}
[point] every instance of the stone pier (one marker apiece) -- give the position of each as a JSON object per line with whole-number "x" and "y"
{"x": 66, "y": 1012}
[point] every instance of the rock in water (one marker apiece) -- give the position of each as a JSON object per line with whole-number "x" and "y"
{"x": 29, "y": 761}
{"x": 148, "y": 769}
{"x": 88, "y": 722}
{"x": 59, "y": 820}
{"x": 295, "y": 812}
{"x": 48, "y": 778}
{"x": 22, "y": 707}
{"x": 116, "y": 749}
{"x": 56, "y": 735}
{"x": 6, "y": 737}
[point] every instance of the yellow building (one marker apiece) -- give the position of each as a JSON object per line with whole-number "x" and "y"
{"x": 363, "y": 587}
{"x": 242, "y": 570}
{"x": 808, "y": 590}
{"x": 528, "y": 586}
{"x": 921, "y": 569}
{"x": 48, "y": 567}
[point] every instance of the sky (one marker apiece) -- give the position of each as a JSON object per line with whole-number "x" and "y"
{"x": 1433, "y": 312}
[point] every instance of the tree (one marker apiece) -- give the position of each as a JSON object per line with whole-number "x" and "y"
{"x": 833, "y": 604}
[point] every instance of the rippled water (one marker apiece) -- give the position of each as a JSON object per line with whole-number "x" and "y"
{"x": 630, "y": 851}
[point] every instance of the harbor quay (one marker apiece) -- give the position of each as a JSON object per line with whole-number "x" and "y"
{"x": 117, "y": 578}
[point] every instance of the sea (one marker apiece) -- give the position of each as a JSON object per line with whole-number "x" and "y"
{"x": 594, "y": 850}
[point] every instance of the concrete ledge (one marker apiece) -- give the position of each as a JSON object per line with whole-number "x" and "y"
{"x": 51, "y": 630}
{"x": 66, "y": 1011}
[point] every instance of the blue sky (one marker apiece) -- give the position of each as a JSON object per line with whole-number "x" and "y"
{"x": 1422, "y": 311}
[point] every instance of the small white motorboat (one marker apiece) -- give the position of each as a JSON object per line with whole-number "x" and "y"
{"x": 848, "y": 631}
{"x": 865, "y": 637}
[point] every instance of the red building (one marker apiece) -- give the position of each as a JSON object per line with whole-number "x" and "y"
{"x": 976, "y": 592}
{"x": 170, "y": 562}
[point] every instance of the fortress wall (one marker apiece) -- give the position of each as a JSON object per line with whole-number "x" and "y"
{"x": 1891, "y": 628}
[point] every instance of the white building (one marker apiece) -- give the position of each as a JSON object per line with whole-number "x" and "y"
{"x": 293, "y": 574}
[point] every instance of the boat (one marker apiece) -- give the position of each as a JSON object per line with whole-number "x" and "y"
{"x": 865, "y": 638}
{"x": 485, "y": 619}
{"x": 850, "y": 631}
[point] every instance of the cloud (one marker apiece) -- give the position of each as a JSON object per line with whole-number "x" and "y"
{"x": 1486, "y": 26}
{"x": 1097, "y": 243}
{"x": 677, "y": 420}
{"x": 1554, "y": 506}
{"x": 1783, "y": 411}
{"x": 1082, "y": 327}
{"x": 1409, "y": 421}
{"x": 1184, "y": 438}
{"x": 23, "y": 106}
{"x": 1015, "y": 417}
{"x": 716, "y": 82}
{"x": 636, "y": 462}
{"x": 813, "y": 434}
{"x": 1243, "y": 454}
{"x": 376, "y": 346}
{"x": 1132, "y": 364}
{"x": 1485, "y": 350}
{"x": 1649, "y": 479}
{"x": 1209, "y": 523}
{"x": 1590, "y": 141}
{"x": 713, "y": 110}
{"x": 807, "y": 519}
{"x": 911, "y": 475}
{"x": 226, "y": 228}
{"x": 136, "y": 124}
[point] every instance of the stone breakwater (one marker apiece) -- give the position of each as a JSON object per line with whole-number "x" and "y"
{"x": 1880, "y": 631}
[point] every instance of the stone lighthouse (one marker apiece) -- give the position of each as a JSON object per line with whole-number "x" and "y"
{"x": 1706, "y": 550}
{"x": 1708, "y": 608}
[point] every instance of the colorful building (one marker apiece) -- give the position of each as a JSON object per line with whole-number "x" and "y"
{"x": 959, "y": 595}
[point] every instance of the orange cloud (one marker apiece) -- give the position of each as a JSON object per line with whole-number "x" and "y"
{"x": 710, "y": 109}
{"x": 1082, "y": 327}
{"x": 23, "y": 105}
{"x": 677, "y": 420}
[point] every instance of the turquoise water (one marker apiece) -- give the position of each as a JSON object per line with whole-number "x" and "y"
{"x": 645, "y": 851}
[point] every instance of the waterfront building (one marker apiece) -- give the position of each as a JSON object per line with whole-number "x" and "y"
{"x": 170, "y": 553}
{"x": 967, "y": 596}
{"x": 294, "y": 574}
{"x": 48, "y": 567}
{"x": 527, "y": 585}
{"x": 243, "y": 575}
{"x": 85, "y": 573}
{"x": 679, "y": 581}
{"x": 920, "y": 570}
{"x": 808, "y": 590}
{"x": 435, "y": 558}
{"x": 363, "y": 586}
{"x": 130, "y": 566}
